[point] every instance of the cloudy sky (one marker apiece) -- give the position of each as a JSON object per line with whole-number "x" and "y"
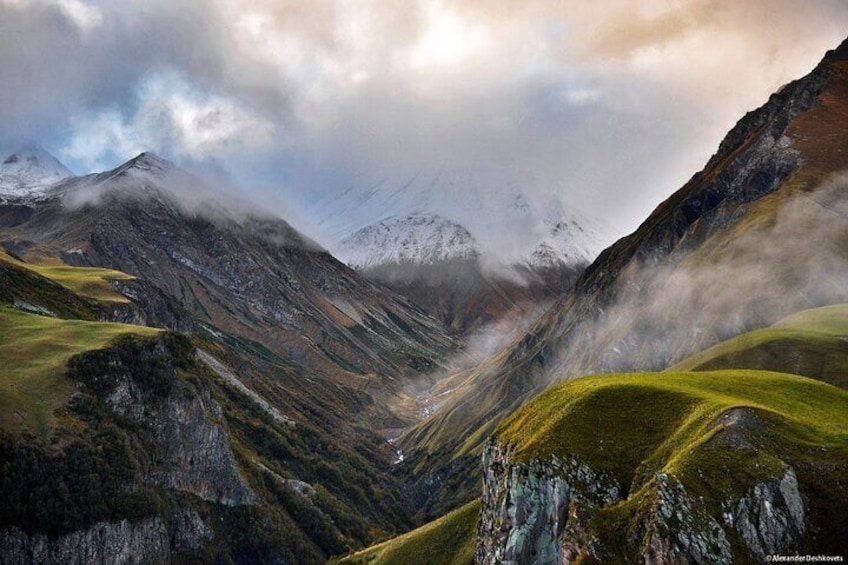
{"x": 609, "y": 105}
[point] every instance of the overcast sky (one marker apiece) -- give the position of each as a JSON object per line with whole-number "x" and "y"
{"x": 609, "y": 105}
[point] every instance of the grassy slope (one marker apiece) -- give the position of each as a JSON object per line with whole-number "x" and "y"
{"x": 33, "y": 353}
{"x": 90, "y": 282}
{"x": 660, "y": 417}
{"x": 811, "y": 343}
{"x": 719, "y": 432}
{"x": 632, "y": 426}
{"x": 450, "y": 540}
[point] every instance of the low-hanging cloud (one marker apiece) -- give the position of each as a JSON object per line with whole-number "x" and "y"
{"x": 786, "y": 262}
{"x": 611, "y": 104}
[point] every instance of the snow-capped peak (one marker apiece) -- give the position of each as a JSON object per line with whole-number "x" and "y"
{"x": 29, "y": 170}
{"x": 518, "y": 220}
{"x": 419, "y": 239}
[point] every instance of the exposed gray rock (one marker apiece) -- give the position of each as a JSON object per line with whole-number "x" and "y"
{"x": 33, "y": 308}
{"x": 770, "y": 519}
{"x": 541, "y": 511}
{"x": 191, "y": 434}
{"x": 188, "y": 532}
{"x": 526, "y": 505}
{"x": 150, "y": 306}
{"x": 302, "y": 488}
{"x": 119, "y": 543}
{"x": 677, "y": 530}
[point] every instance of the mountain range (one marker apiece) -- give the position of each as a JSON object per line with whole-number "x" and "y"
{"x": 187, "y": 378}
{"x": 473, "y": 254}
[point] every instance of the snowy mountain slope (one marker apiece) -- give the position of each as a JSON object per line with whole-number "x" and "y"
{"x": 421, "y": 239}
{"x": 28, "y": 171}
{"x": 511, "y": 223}
{"x": 570, "y": 240}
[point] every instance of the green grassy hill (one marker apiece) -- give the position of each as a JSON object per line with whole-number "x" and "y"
{"x": 88, "y": 282}
{"x": 34, "y": 351}
{"x": 661, "y": 418}
{"x": 812, "y": 343}
{"x": 450, "y": 540}
{"x": 720, "y": 433}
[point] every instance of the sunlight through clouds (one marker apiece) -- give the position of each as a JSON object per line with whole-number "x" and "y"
{"x": 170, "y": 114}
{"x": 447, "y": 41}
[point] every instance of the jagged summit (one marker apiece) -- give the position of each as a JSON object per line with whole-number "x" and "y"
{"x": 29, "y": 169}
{"x": 148, "y": 162}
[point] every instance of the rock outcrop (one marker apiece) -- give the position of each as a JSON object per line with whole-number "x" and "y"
{"x": 147, "y": 542}
{"x": 543, "y": 511}
{"x": 184, "y": 426}
{"x": 770, "y": 518}
{"x": 525, "y": 506}
{"x": 120, "y": 543}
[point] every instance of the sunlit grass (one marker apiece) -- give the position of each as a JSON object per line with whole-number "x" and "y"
{"x": 449, "y": 540}
{"x": 617, "y": 422}
{"x": 34, "y": 351}
{"x": 811, "y": 343}
{"x": 90, "y": 282}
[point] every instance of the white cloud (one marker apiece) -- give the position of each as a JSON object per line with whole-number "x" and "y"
{"x": 448, "y": 41}
{"x": 612, "y": 103}
{"x": 85, "y": 16}
{"x": 171, "y": 116}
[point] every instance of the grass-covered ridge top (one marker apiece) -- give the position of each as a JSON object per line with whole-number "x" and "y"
{"x": 832, "y": 320}
{"x": 90, "y": 282}
{"x": 811, "y": 343}
{"x": 449, "y": 540}
{"x": 621, "y": 423}
{"x": 34, "y": 352}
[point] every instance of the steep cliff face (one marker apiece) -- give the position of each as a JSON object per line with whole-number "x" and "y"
{"x": 526, "y": 506}
{"x": 109, "y": 487}
{"x": 121, "y": 543}
{"x": 146, "y": 542}
{"x": 189, "y": 433}
{"x": 542, "y": 511}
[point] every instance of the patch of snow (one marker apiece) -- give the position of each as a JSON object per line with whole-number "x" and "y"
{"x": 28, "y": 172}
{"x": 419, "y": 239}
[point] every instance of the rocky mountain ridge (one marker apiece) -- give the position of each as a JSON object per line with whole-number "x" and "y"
{"x": 718, "y": 485}
{"x": 751, "y": 238}
{"x": 294, "y": 361}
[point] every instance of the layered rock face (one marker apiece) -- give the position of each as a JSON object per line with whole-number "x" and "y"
{"x": 195, "y": 454}
{"x": 526, "y": 506}
{"x": 542, "y": 511}
{"x": 147, "y": 542}
{"x": 121, "y": 543}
